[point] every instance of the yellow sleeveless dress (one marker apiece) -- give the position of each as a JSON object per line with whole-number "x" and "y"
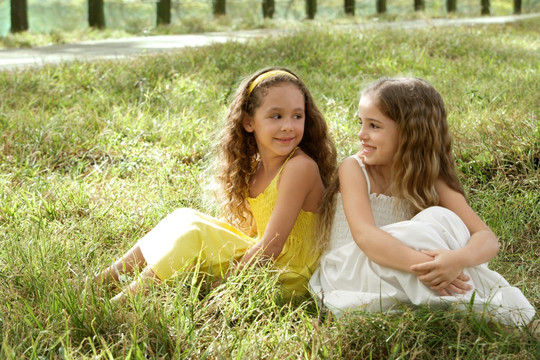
{"x": 187, "y": 239}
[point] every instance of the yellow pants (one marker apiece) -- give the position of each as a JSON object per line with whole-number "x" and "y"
{"x": 187, "y": 237}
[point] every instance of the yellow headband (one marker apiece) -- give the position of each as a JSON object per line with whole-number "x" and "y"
{"x": 266, "y": 75}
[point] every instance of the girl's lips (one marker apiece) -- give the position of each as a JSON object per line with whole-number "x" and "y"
{"x": 367, "y": 148}
{"x": 285, "y": 140}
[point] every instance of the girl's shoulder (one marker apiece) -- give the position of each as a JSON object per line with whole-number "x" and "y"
{"x": 301, "y": 165}
{"x": 301, "y": 158}
{"x": 353, "y": 163}
{"x": 352, "y": 174}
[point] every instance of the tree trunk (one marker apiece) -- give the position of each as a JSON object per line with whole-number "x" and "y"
{"x": 163, "y": 12}
{"x": 381, "y": 6}
{"x": 268, "y": 7}
{"x": 311, "y": 9}
{"x": 485, "y": 5}
{"x": 96, "y": 14}
{"x": 451, "y": 6}
{"x": 19, "y": 16}
{"x": 517, "y": 7}
{"x": 218, "y": 7}
{"x": 349, "y": 7}
{"x": 419, "y": 5}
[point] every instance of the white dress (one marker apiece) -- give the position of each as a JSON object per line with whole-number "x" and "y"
{"x": 347, "y": 279}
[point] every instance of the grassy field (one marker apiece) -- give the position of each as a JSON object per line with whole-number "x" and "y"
{"x": 93, "y": 155}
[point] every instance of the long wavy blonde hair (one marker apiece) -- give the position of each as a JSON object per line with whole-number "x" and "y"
{"x": 238, "y": 149}
{"x": 424, "y": 151}
{"x": 425, "y": 145}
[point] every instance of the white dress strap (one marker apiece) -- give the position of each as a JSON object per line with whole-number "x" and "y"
{"x": 364, "y": 170}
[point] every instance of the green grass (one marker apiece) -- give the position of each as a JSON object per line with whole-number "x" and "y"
{"x": 93, "y": 155}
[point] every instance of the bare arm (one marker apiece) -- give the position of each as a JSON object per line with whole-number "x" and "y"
{"x": 300, "y": 187}
{"x": 378, "y": 245}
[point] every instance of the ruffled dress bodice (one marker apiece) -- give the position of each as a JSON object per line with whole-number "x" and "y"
{"x": 386, "y": 210}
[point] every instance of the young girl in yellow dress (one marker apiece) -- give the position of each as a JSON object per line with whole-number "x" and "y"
{"x": 276, "y": 160}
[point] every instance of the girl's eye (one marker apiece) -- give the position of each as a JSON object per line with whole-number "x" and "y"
{"x": 299, "y": 116}
{"x": 275, "y": 116}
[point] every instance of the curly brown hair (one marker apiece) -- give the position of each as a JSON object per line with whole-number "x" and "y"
{"x": 238, "y": 149}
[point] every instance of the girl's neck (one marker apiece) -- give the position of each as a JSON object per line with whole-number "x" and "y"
{"x": 267, "y": 169}
{"x": 270, "y": 164}
{"x": 381, "y": 179}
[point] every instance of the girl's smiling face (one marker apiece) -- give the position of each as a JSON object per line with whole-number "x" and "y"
{"x": 278, "y": 124}
{"x": 378, "y": 135}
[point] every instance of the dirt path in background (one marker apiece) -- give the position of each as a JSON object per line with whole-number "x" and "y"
{"x": 13, "y": 59}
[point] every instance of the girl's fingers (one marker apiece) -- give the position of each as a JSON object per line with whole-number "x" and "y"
{"x": 455, "y": 289}
{"x": 430, "y": 253}
{"x": 432, "y": 278}
{"x": 440, "y": 286}
{"x": 427, "y": 266}
{"x": 426, "y": 278}
{"x": 462, "y": 285}
{"x": 443, "y": 292}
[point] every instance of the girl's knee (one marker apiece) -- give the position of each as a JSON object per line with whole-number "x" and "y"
{"x": 184, "y": 213}
{"x": 446, "y": 219}
{"x": 184, "y": 218}
{"x": 435, "y": 213}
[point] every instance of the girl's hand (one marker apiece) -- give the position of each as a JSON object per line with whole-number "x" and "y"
{"x": 458, "y": 286}
{"x": 444, "y": 273}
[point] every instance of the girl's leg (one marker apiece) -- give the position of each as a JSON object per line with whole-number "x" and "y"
{"x": 146, "y": 277}
{"x": 131, "y": 261}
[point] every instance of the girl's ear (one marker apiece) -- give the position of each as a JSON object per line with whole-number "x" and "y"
{"x": 247, "y": 121}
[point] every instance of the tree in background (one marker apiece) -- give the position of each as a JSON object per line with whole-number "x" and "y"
{"x": 19, "y": 16}
{"x": 163, "y": 12}
{"x": 218, "y": 7}
{"x": 96, "y": 14}
{"x": 349, "y": 7}
{"x": 311, "y": 9}
{"x": 517, "y": 7}
{"x": 451, "y": 6}
{"x": 381, "y": 6}
{"x": 268, "y": 7}
{"x": 485, "y": 6}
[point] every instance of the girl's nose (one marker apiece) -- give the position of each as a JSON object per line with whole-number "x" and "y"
{"x": 286, "y": 124}
{"x": 362, "y": 135}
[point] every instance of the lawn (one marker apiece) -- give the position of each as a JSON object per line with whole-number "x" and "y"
{"x": 93, "y": 155}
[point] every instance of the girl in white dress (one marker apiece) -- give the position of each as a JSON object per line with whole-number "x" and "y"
{"x": 403, "y": 231}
